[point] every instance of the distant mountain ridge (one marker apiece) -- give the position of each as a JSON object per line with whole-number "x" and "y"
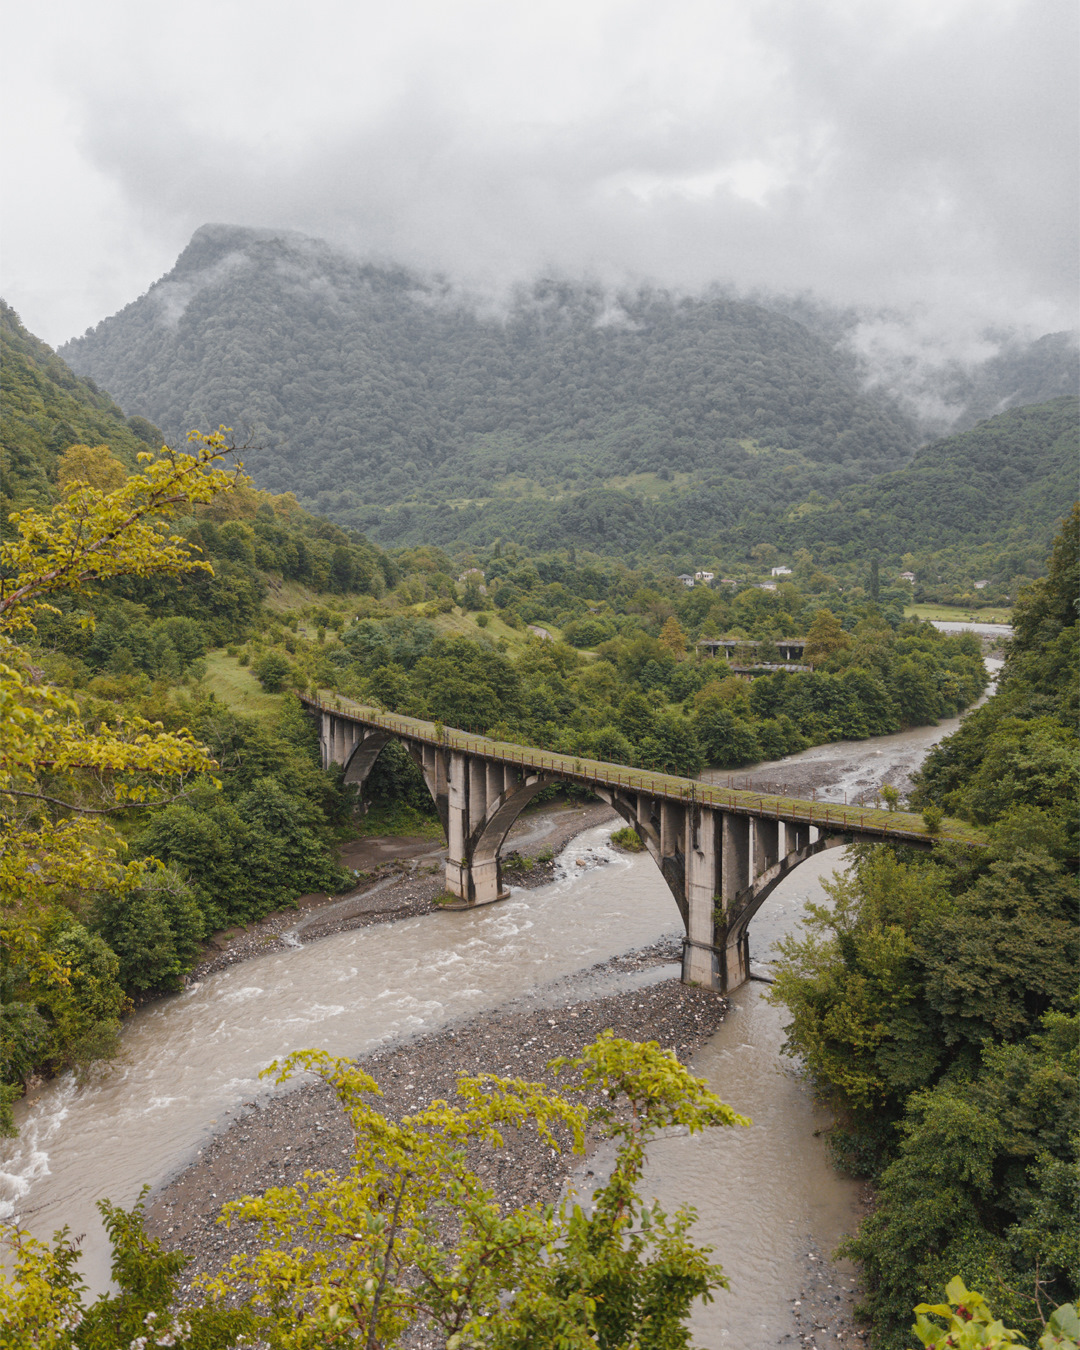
{"x": 1001, "y": 487}
{"x": 367, "y": 386}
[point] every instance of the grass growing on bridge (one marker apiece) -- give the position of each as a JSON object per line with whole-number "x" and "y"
{"x": 871, "y": 822}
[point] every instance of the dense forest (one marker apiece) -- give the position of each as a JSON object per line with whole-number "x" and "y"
{"x": 366, "y": 386}
{"x": 934, "y": 1001}
{"x": 639, "y": 425}
{"x": 982, "y": 504}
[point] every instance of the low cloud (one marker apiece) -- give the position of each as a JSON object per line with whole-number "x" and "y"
{"x": 916, "y": 161}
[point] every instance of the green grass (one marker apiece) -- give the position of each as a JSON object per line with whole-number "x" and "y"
{"x": 648, "y": 485}
{"x": 235, "y": 686}
{"x": 960, "y": 613}
{"x": 285, "y": 597}
{"x": 464, "y": 624}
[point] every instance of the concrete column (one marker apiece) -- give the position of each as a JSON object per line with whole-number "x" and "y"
{"x": 670, "y": 825}
{"x": 734, "y": 957}
{"x": 796, "y": 837}
{"x": 478, "y": 797}
{"x": 496, "y": 782}
{"x": 766, "y": 844}
{"x": 702, "y": 851}
{"x": 485, "y": 881}
{"x": 457, "y": 868}
{"x": 735, "y": 869}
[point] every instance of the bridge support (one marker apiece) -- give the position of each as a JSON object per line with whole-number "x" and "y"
{"x": 719, "y": 864}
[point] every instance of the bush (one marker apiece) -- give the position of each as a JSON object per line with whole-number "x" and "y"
{"x": 628, "y": 840}
{"x": 272, "y": 670}
{"x": 932, "y": 818}
{"x": 154, "y": 932}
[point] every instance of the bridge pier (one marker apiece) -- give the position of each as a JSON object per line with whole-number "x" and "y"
{"x": 720, "y": 862}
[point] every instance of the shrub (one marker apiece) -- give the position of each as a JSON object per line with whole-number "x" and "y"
{"x": 628, "y": 840}
{"x": 272, "y": 670}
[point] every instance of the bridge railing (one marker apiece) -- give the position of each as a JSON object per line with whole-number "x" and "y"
{"x": 828, "y": 816}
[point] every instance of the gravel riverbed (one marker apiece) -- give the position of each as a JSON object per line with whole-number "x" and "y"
{"x": 275, "y": 1140}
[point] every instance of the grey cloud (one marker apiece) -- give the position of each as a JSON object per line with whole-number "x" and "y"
{"x": 921, "y": 167}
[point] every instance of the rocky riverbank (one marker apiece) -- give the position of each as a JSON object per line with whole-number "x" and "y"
{"x": 274, "y": 1141}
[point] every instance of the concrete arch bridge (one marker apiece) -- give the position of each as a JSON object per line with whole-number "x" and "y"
{"x": 721, "y": 851}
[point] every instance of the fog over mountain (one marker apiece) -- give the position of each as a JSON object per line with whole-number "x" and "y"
{"x": 914, "y": 160}
{"x": 364, "y": 388}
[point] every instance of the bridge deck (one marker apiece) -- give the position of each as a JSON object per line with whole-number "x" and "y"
{"x": 829, "y": 817}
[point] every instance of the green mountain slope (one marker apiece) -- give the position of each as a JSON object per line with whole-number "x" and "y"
{"x": 1000, "y": 488}
{"x": 44, "y": 409}
{"x": 367, "y": 387}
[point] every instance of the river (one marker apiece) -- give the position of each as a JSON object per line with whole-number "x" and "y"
{"x": 189, "y": 1061}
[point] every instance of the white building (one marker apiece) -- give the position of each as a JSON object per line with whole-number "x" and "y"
{"x": 781, "y": 572}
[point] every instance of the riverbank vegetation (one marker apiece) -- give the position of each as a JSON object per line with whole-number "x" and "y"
{"x": 934, "y": 1000}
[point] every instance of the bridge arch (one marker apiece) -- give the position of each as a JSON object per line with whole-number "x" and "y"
{"x": 362, "y": 757}
{"x": 721, "y": 852}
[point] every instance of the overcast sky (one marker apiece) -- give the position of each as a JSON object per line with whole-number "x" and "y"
{"x": 918, "y": 155}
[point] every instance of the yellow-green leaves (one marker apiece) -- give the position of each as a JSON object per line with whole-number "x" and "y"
{"x": 95, "y": 534}
{"x": 410, "y": 1234}
{"x": 60, "y": 779}
{"x": 970, "y": 1325}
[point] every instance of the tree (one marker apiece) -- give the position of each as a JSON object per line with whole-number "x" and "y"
{"x": 825, "y": 636}
{"x": 94, "y": 465}
{"x": 61, "y": 781}
{"x": 409, "y": 1234}
{"x": 272, "y": 670}
{"x": 672, "y": 636}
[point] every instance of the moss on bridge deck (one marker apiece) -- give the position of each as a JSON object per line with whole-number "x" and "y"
{"x": 867, "y": 821}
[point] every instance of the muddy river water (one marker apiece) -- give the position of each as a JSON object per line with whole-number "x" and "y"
{"x": 188, "y": 1062}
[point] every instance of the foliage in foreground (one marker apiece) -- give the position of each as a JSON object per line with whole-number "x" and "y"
{"x": 970, "y": 1324}
{"x": 63, "y": 780}
{"x": 410, "y": 1234}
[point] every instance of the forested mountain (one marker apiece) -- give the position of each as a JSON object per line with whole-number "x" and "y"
{"x": 997, "y": 491}
{"x": 366, "y": 386}
{"x": 44, "y": 409}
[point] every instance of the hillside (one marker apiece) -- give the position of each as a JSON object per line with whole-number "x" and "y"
{"x": 44, "y": 408}
{"x": 996, "y": 492}
{"x": 368, "y": 387}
